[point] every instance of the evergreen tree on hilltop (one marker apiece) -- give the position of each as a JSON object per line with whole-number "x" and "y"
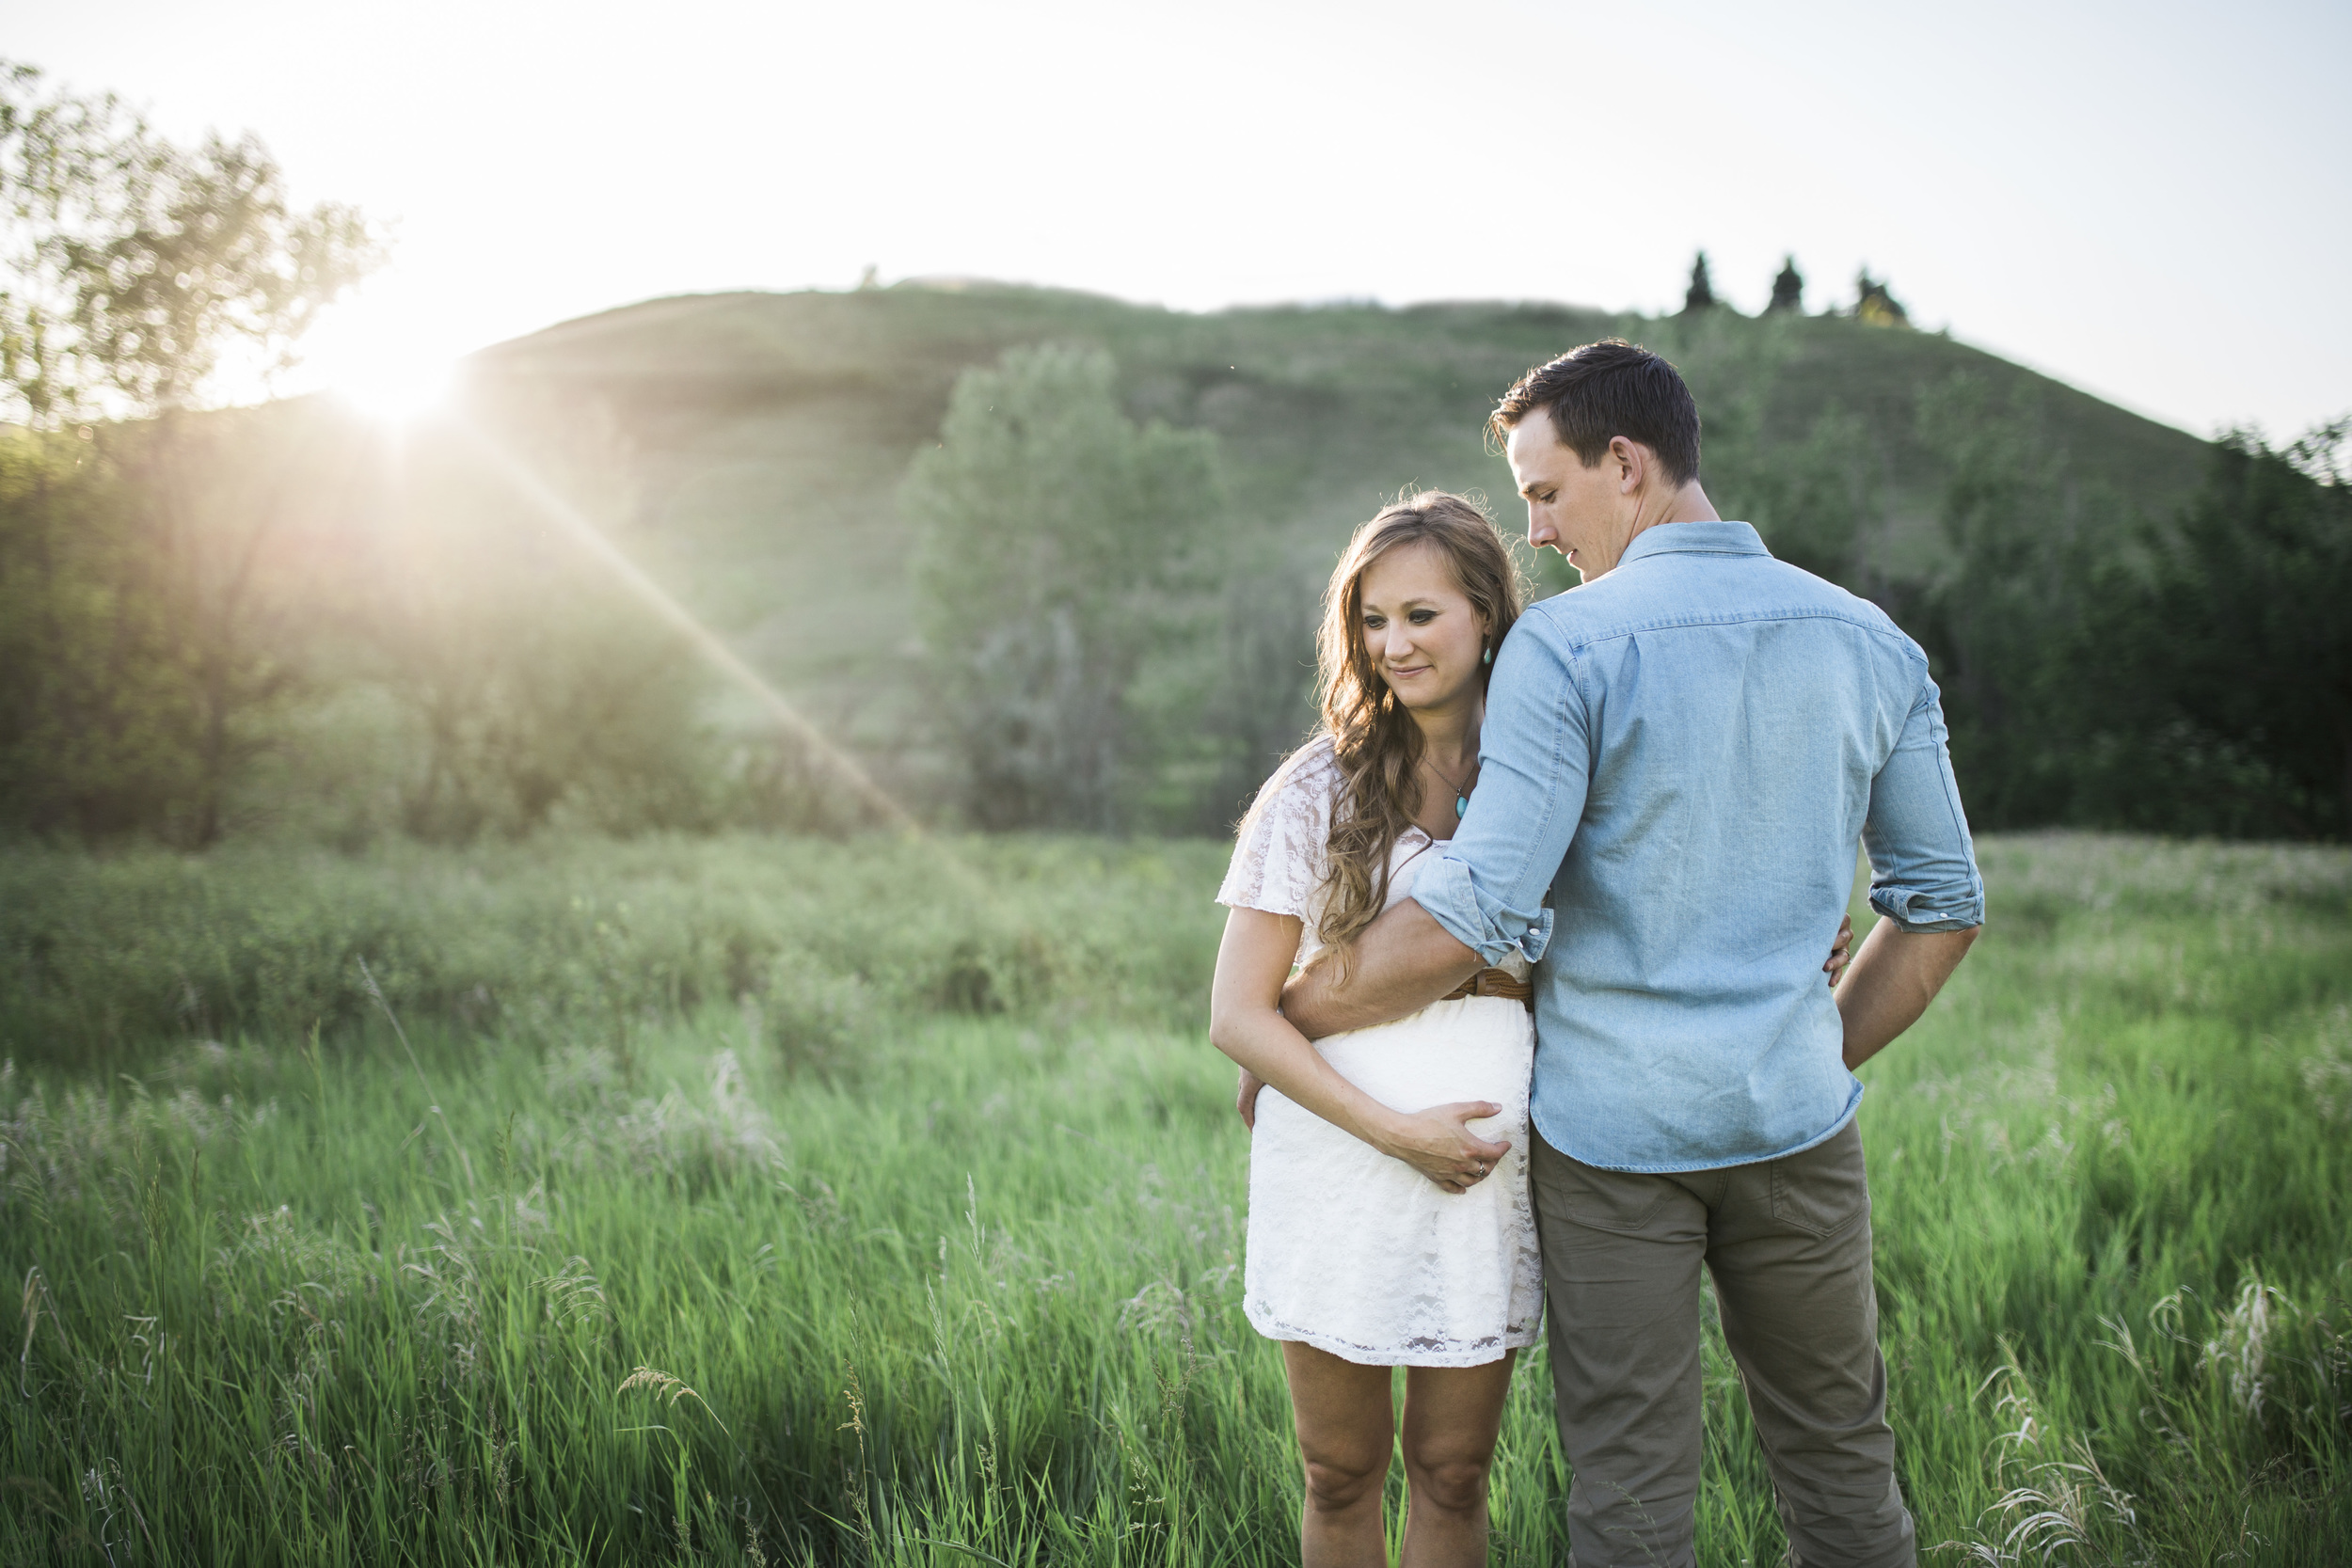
{"x": 1701, "y": 295}
{"x": 1789, "y": 287}
{"x": 1873, "y": 306}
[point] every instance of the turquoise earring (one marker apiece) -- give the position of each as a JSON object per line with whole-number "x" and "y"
{"x": 1489, "y": 657}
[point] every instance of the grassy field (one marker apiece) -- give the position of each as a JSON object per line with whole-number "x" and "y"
{"x": 771, "y": 1202}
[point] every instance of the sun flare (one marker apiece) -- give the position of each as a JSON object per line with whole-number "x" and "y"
{"x": 395, "y": 391}
{"x": 386, "y": 352}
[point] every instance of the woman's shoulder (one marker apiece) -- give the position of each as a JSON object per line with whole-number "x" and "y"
{"x": 1279, "y": 853}
{"x": 1308, "y": 778}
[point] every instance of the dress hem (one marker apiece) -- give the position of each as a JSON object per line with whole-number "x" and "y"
{"x": 1364, "y": 1355}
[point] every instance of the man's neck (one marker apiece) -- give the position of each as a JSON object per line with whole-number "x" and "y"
{"x": 1688, "y": 504}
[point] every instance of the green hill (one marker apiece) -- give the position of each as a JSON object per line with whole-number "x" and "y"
{"x": 283, "y": 615}
{"x": 762, "y": 437}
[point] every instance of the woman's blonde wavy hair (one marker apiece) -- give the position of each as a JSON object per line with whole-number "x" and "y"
{"x": 1374, "y": 739}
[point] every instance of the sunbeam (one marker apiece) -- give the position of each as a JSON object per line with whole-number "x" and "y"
{"x": 658, "y": 599}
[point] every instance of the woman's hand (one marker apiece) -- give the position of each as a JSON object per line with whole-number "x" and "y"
{"x": 1252, "y": 961}
{"x": 1439, "y": 1144}
{"x": 1840, "y": 952}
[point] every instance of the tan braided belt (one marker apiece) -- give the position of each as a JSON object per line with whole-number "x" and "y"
{"x": 1494, "y": 982}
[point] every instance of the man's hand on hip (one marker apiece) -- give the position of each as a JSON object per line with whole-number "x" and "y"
{"x": 1893, "y": 979}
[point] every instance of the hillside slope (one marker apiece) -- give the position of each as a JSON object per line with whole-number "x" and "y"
{"x": 768, "y": 433}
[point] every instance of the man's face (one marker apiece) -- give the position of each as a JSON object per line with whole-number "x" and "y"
{"x": 1578, "y": 511}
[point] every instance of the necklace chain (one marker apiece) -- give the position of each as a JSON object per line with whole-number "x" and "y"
{"x": 1441, "y": 773}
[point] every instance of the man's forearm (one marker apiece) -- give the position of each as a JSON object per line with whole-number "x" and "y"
{"x": 1404, "y": 961}
{"x": 1894, "y": 978}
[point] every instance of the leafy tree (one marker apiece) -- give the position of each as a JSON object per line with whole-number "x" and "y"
{"x": 131, "y": 269}
{"x": 1787, "y": 288}
{"x": 530, "y": 687}
{"x": 2003, "y": 626}
{"x": 131, "y": 266}
{"x": 1260, "y": 701}
{"x": 1812, "y": 499}
{"x": 2183, "y": 675}
{"x": 1062, "y": 546}
{"x": 2243, "y": 635}
{"x": 1701, "y": 294}
{"x": 92, "y": 711}
{"x": 149, "y": 642}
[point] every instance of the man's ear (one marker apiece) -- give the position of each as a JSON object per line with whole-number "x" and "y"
{"x": 1632, "y": 462}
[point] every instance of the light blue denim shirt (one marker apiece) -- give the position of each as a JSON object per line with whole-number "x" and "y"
{"x": 1676, "y": 762}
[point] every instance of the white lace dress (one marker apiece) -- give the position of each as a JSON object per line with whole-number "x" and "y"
{"x": 1349, "y": 1250}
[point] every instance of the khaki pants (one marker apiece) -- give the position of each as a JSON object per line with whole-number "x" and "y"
{"x": 1789, "y": 1244}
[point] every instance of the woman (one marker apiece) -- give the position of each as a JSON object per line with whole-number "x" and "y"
{"x": 1388, "y": 1217}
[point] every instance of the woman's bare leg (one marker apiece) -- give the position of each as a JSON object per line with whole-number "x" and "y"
{"x": 1346, "y": 1425}
{"x": 1453, "y": 1415}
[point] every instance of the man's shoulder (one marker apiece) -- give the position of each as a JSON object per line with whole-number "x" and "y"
{"x": 1629, "y": 603}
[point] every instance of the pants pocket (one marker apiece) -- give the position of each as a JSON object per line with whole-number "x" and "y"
{"x": 1623, "y": 1202}
{"x": 1824, "y": 1189}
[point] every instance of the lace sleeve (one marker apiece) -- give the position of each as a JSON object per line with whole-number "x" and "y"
{"x": 1279, "y": 855}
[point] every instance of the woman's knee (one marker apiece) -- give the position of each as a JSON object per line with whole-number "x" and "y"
{"x": 1336, "y": 1482}
{"x": 1452, "y": 1482}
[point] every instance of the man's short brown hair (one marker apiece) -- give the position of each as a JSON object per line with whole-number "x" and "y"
{"x": 1604, "y": 390}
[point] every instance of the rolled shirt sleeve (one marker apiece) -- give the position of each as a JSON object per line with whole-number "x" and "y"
{"x": 1923, "y": 866}
{"x": 1488, "y": 888}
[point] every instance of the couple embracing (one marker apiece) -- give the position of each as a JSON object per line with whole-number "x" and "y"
{"x": 1524, "y": 971}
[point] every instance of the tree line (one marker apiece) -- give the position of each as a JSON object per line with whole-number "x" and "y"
{"x": 2182, "y": 673}
{"x": 2192, "y": 676}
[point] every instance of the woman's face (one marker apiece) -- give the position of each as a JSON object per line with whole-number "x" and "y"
{"x": 1420, "y": 628}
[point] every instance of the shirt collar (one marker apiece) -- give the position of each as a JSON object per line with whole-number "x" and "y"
{"x": 1694, "y": 539}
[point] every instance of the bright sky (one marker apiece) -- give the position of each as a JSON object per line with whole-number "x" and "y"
{"x": 2150, "y": 200}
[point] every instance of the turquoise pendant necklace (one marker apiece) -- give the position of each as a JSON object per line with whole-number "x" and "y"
{"x": 1461, "y": 792}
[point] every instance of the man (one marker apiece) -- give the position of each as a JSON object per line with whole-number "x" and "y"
{"x": 1677, "y": 761}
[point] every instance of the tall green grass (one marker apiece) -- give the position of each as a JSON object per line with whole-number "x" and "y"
{"x": 601, "y": 940}
{"x": 621, "y": 1274}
